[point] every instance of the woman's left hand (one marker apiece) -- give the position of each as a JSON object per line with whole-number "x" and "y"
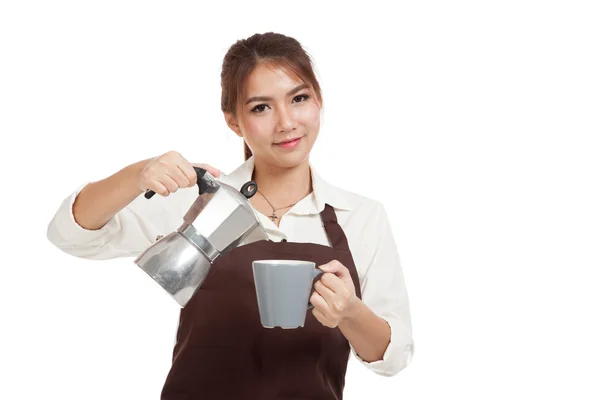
{"x": 334, "y": 296}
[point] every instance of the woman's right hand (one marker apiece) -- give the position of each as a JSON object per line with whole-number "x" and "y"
{"x": 168, "y": 172}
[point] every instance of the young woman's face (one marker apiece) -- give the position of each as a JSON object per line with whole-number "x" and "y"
{"x": 279, "y": 117}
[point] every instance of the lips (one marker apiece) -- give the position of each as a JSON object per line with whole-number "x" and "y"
{"x": 289, "y": 144}
{"x": 288, "y": 141}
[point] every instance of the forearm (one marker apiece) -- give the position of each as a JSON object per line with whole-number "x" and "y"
{"x": 99, "y": 201}
{"x": 366, "y": 332}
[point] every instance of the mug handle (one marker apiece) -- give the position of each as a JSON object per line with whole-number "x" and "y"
{"x": 316, "y": 272}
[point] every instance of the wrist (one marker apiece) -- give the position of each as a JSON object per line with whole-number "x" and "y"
{"x": 353, "y": 311}
{"x": 133, "y": 174}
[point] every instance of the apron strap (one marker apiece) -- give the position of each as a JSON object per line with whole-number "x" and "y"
{"x": 339, "y": 241}
{"x": 333, "y": 229}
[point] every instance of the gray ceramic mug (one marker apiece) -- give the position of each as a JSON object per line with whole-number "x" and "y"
{"x": 283, "y": 289}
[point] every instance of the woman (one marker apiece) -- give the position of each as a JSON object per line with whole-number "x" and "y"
{"x": 270, "y": 98}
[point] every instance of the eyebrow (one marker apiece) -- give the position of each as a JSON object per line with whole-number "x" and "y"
{"x": 265, "y": 98}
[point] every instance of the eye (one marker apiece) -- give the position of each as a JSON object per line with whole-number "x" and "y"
{"x": 302, "y": 97}
{"x": 259, "y": 108}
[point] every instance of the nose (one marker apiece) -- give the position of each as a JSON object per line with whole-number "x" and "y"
{"x": 286, "y": 121}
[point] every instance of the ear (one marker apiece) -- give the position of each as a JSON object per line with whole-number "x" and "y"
{"x": 232, "y": 123}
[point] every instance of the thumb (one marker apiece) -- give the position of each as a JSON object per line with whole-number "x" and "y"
{"x": 211, "y": 170}
{"x": 335, "y": 267}
{"x": 330, "y": 266}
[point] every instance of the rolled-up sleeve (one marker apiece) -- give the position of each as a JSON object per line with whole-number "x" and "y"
{"x": 384, "y": 292}
{"x": 126, "y": 234}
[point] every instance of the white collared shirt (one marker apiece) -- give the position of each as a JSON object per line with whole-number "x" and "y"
{"x": 363, "y": 220}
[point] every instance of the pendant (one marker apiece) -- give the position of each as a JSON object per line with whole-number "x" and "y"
{"x": 274, "y": 216}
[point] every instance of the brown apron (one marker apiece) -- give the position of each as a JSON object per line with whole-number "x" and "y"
{"x": 222, "y": 350}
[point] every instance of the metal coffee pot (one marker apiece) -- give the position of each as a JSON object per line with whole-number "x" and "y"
{"x": 220, "y": 220}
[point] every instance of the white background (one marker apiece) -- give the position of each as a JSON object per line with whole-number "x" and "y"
{"x": 475, "y": 123}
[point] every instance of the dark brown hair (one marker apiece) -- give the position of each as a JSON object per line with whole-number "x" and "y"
{"x": 269, "y": 48}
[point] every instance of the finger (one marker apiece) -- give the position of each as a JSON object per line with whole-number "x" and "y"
{"x": 187, "y": 167}
{"x": 211, "y": 170}
{"x": 337, "y": 298}
{"x": 158, "y": 187}
{"x": 178, "y": 176}
{"x": 325, "y": 292}
{"x": 319, "y": 302}
{"x": 322, "y": 318}
{"x": 333, "y": 282}
{"x": 169, "y": 182}
{"x": 188, "y": 170}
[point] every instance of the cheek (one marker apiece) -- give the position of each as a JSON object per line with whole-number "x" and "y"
{"x": 310, "y": 116}
{"x": 257, "y": 129}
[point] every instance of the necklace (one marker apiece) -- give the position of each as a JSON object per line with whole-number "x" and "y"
{"x": 274, "y": 216}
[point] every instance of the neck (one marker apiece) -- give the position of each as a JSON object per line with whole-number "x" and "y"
{"x": 283, "y": 186}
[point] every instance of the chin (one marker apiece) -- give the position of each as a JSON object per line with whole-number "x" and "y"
{"x": 289, "y": 160}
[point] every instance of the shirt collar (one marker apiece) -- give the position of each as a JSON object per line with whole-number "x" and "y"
{"x": 323, "y": 192}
